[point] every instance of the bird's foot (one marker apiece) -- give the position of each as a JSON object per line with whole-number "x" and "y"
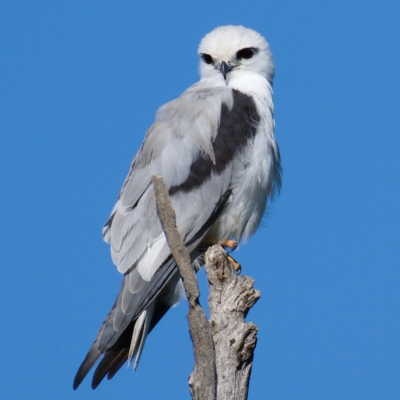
{"x": 237, "y": 268}
{"x": 227, "y": 244}
{"x": 230, "y": 244}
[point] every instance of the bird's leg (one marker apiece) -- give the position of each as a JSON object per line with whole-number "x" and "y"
{"x": 230, "y": 244}
{"x": 235, "y": 265}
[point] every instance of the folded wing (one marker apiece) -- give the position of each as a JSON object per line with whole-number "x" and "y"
{"x": 179, "y": 147}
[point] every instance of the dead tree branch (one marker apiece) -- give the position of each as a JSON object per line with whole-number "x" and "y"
{"x": 203, "y": 379}
{"x": 230, "y": 299}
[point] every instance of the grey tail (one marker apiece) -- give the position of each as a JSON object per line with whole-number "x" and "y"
{"x": 117, "y": 354}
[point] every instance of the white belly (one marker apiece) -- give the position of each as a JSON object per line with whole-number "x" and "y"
{"x": 251, "y": 182}
{"x": 253, "y": 170}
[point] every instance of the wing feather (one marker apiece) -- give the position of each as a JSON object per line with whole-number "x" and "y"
{"x": 185, "y": 147}
{"x": 183, "y": 132}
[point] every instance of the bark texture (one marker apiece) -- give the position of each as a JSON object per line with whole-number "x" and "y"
{"x": 230, "y": 299}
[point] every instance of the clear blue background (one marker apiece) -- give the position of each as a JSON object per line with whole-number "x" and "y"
{"x": 80, "y": 82}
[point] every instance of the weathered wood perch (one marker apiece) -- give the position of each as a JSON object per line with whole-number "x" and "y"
{"x": 229, "y": 301}
{"x": 223, "y": 353}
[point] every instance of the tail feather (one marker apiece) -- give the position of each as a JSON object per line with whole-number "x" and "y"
{"x": 105, "y": 365}
{"x": 132, "y": 339}
{"x": 118, "y": 363}
{"x": 114, "y": 345}
{"x": 139, "y": 335}
{"x": 92, "y": 356}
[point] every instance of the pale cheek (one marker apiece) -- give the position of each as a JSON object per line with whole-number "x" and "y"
{"x": 207, "y": 70}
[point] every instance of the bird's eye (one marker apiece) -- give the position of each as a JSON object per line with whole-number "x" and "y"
{"x": 207, "y": 58}
{"x": 246, "y": 53}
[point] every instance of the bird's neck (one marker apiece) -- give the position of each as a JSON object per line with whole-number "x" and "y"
{"x": 254, "y": 85}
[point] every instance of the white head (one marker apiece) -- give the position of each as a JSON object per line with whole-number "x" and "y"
{"x": 229, "y": 49}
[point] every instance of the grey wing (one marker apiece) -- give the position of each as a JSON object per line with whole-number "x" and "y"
{"x": 179, "y": 147}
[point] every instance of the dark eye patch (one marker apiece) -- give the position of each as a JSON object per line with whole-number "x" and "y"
{"x": 246, "y": 53}
{"x": 207, "y": 58}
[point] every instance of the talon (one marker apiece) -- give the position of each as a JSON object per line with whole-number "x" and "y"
{"x": 237, "y": 268}
{"x": 230, "y": 244}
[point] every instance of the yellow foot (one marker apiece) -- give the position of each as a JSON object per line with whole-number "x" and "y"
{"x": 230, "y": 244}
{"x": 235, "y": 265}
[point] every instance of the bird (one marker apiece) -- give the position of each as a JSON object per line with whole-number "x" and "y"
{"x": 214, "y": 147}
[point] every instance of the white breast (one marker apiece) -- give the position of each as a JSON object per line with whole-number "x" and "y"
{"x": 253, "y": 176}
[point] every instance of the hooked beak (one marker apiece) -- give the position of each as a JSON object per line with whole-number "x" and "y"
{"x": 224, "y": 68}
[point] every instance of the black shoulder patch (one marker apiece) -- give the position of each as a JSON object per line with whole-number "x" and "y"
{"x": 237, "y": 127}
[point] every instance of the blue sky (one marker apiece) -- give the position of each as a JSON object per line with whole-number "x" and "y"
{"x": 80, "y": 83}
